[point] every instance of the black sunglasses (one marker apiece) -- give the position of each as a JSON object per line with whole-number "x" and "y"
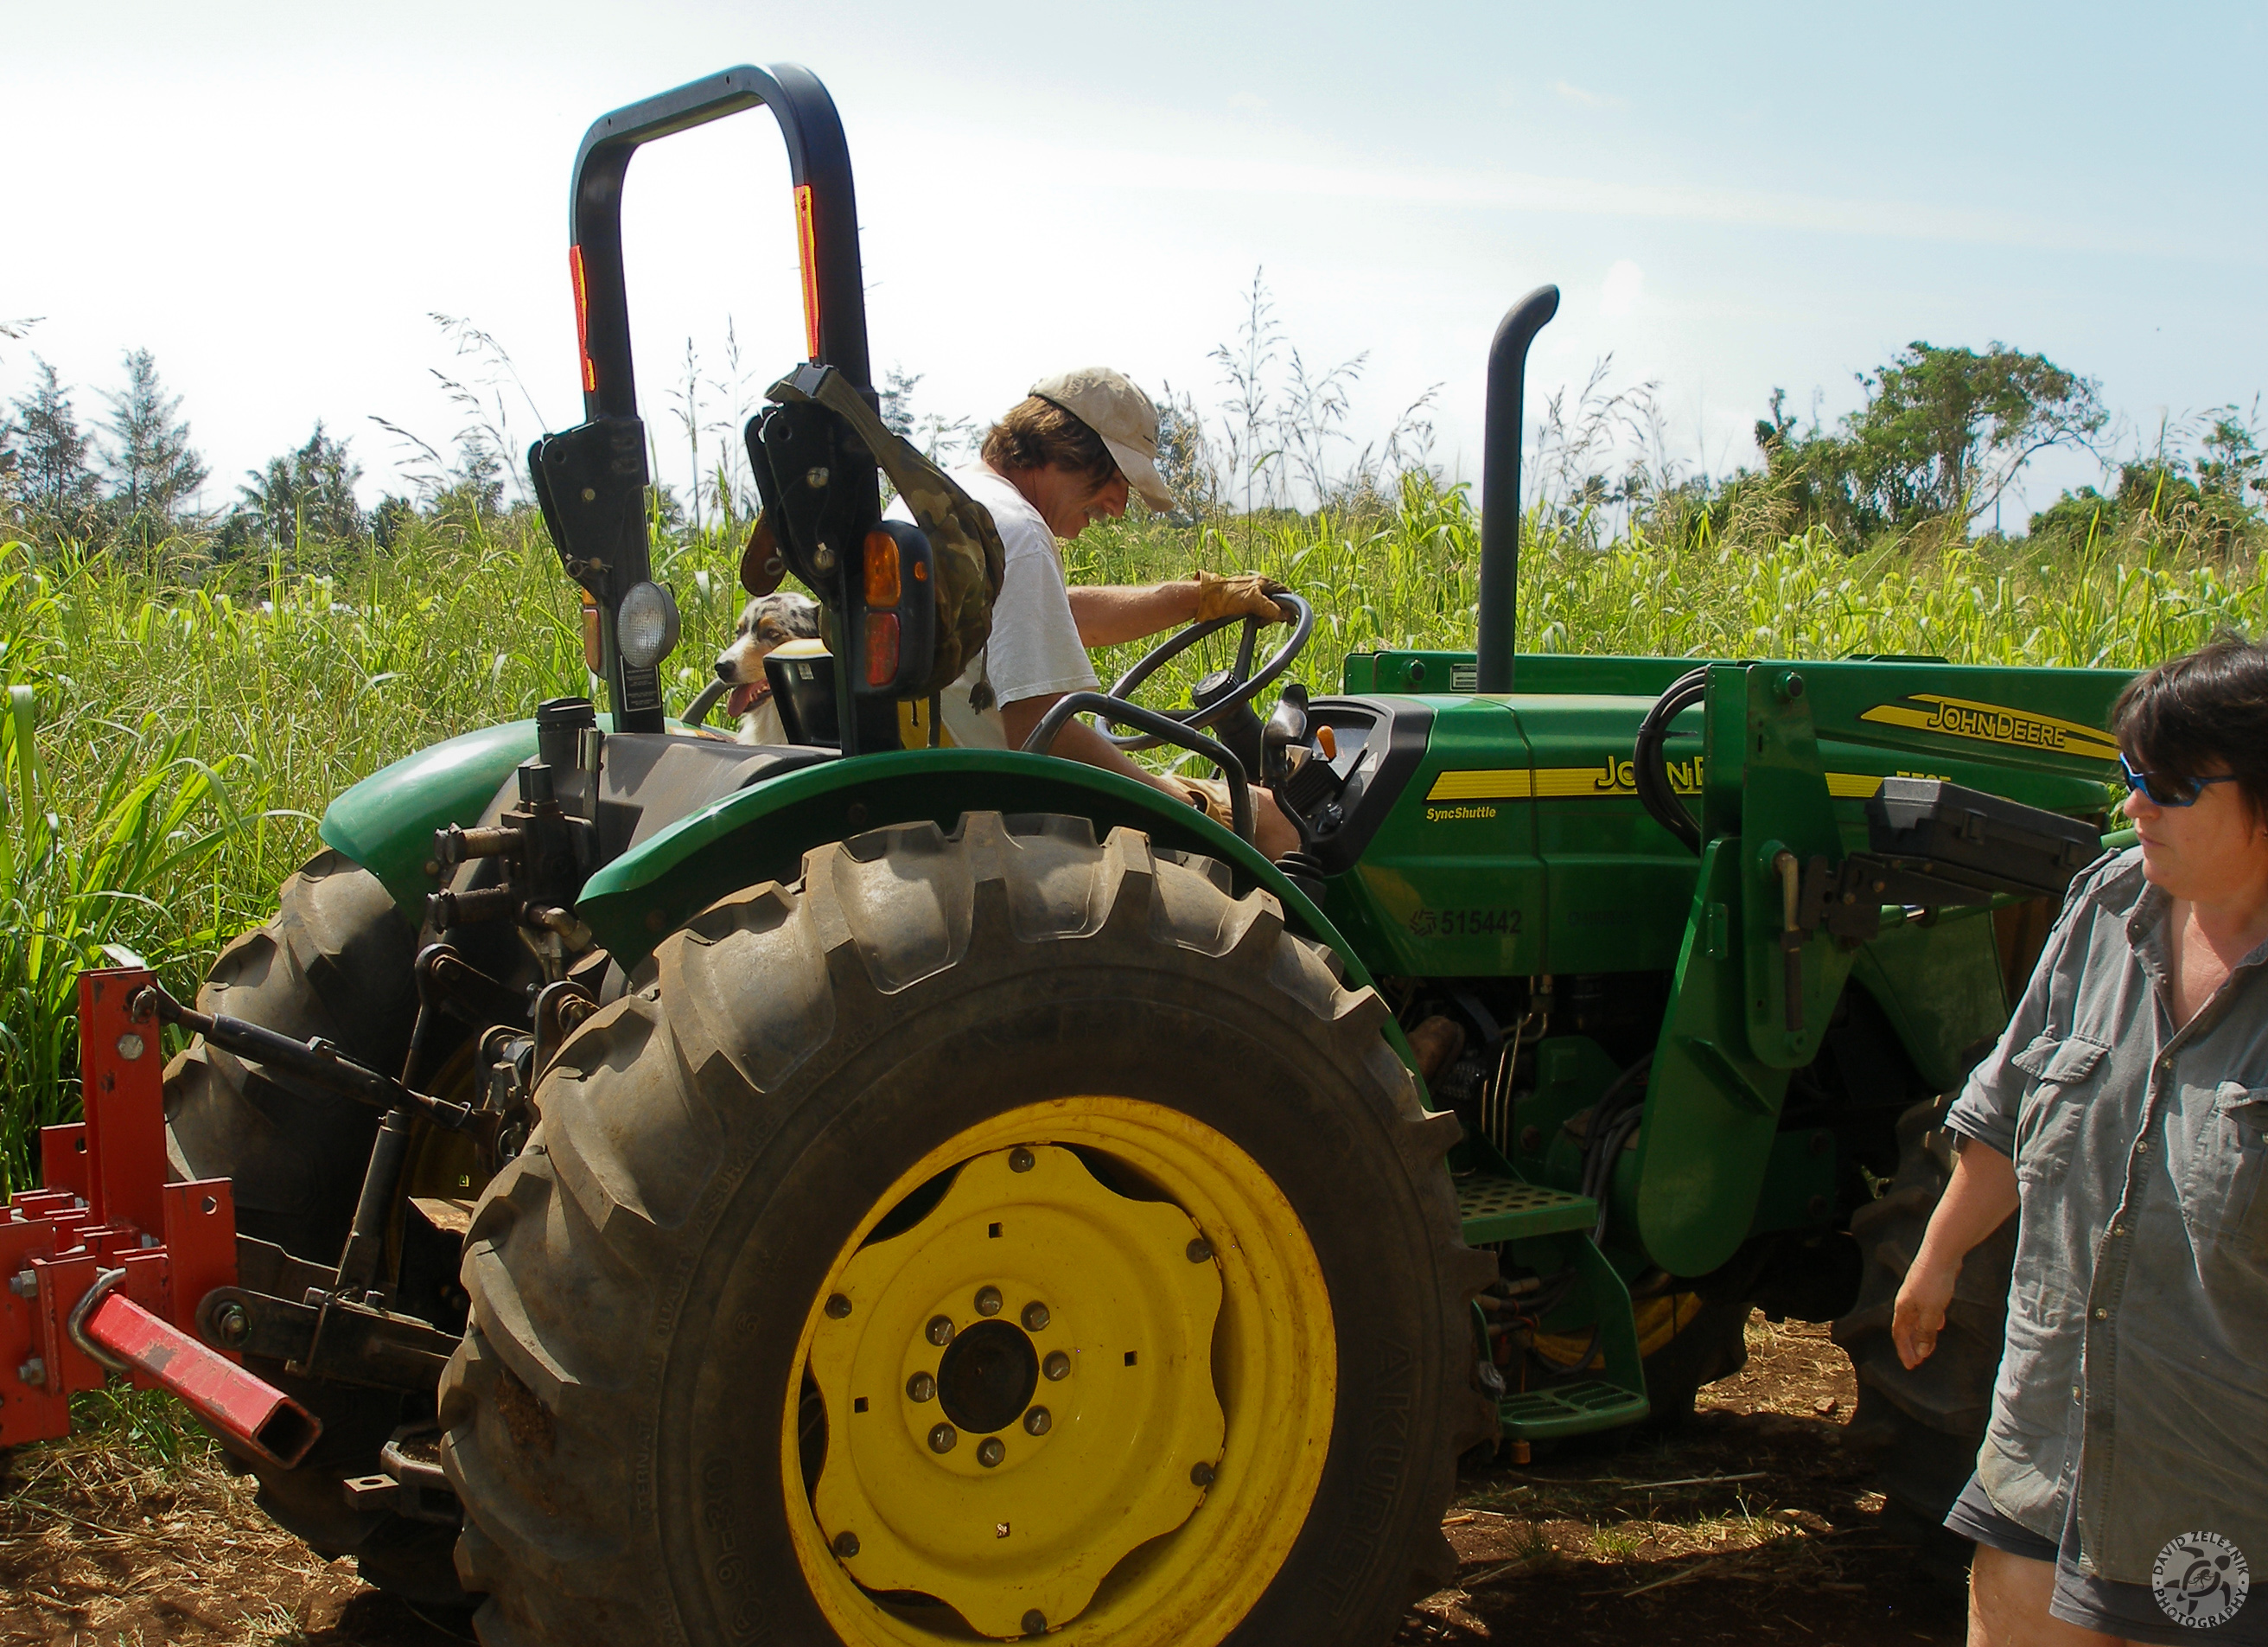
{"x": 2168, "y": 792}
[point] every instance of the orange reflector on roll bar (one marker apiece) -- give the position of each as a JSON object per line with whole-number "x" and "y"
{"x": 807, "y": 246}
{"x": 582, "y": 322}
{"x": 883, "y": 588}
{"x": 594, "y": 656}
{"x": 881, "y": 648}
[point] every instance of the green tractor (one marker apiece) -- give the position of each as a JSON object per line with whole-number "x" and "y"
{"x": 854, "y": 1193}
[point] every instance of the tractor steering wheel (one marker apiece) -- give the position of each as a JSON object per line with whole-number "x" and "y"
{"x": 1222, "y": 693}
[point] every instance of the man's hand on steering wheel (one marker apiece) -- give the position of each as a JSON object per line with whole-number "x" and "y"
{"x": 1240, "y": 594}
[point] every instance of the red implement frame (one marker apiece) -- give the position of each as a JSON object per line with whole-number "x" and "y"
{"x": 106, "y": 1262}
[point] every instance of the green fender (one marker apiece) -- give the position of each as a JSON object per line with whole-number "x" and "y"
{"x": 386, "y": 823}
{"x": 760, "y": 833}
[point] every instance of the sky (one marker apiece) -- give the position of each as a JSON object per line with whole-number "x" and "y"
{"x": 277, "y": 199}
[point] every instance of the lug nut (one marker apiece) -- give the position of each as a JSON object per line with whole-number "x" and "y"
{"x": 1201, "y": 1476}
{"x": 33, "y": 1372}
{"x": 942, "y": 1437}
{"x": 1035, "y": 1317}
{"x": 1019, "y": 1159}
{"x": 939, "y": 1330}
{"x": 988, "y": 1301}
{"x": 1057, "y": 1366}
{"x": 838, "y": 1306}
{"x": 991, "y": 1450}
{"x": 1039, "y": 1420}
{"x": 231, "y": 1323}
{"x": 846, "y": 1545}
{"x": 920, "y": 1387}
{"x": 24, "y": 1284}
{"x": 1200, "y": 1249}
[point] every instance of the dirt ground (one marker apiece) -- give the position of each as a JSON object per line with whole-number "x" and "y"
{"x": 1752, "y": 1525}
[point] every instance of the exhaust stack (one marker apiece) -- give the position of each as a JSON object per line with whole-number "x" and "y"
{"x": 1500, "y": 443}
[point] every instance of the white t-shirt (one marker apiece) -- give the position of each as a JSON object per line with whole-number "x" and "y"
{"x": 1035, "y": 651}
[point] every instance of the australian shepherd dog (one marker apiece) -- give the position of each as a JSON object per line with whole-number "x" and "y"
{"x": 767, "y": 622}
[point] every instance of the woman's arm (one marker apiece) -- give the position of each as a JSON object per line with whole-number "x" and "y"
{"x": 1977, "y": 1201}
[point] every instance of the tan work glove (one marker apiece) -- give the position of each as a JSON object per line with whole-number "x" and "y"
{"x": 1210, "y": 796}
{"x": 1240, "y": 594}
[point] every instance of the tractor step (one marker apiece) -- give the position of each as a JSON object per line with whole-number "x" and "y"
{"x": 1569, "y": 1409}
{"x": 1499, "y": 1208}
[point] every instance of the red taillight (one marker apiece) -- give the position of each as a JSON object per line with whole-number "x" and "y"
{"x": 806, "y": 245}
{"x": 881, "y": 648}
{"x": 582, "y": 318}
{"x": 883, "y": 588}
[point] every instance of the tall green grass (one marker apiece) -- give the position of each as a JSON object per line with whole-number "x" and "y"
{"x": 172, "y": 735}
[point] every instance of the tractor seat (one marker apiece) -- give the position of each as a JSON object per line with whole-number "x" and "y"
{"x": 802, "y": 676}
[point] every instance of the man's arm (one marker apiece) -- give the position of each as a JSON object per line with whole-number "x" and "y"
{"x": 1112, "y": 613}
{"x": 1080, "y": 741}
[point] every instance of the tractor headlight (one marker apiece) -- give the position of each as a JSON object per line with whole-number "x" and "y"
{"x": 645, "y": 627}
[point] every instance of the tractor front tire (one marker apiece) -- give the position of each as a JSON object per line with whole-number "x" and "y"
{"x": 1922, "y": 1428}
{"x": 995, "y": 1233}
{"x": 334, "y": 962}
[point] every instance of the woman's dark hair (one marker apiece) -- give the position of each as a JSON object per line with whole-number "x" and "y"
{"x": 2202, "y": 712}
{"x": 1037, "y": 432}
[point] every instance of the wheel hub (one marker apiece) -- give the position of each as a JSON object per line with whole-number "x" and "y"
{"x": 986, "y": 1378}
{"x": 1019, "y": 1391}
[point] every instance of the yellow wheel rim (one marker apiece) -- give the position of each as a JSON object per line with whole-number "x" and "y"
{"x": 1086, "y": 1388}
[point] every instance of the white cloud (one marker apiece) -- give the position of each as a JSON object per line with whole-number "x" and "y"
{"x": 1625, "y": 283}
{"x": 1589, "y": 100}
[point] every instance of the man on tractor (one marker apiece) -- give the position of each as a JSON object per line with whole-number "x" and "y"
{"x": 1072, "y": 451}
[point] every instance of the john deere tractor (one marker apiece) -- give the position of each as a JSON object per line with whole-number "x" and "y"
{"x": 870, "y": 1193}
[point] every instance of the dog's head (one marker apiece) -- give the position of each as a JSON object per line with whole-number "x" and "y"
{"x": 768, "y": 621}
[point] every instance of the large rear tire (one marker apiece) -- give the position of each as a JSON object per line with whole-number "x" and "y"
{"x": 1922, "y": 1428}
{"x": 334, "y": 962}
{"x": 996, "y": 1230}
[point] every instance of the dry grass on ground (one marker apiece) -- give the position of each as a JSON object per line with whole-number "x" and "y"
{"x": 103, "y": 1546}
{"x": 1753, "y": 1523}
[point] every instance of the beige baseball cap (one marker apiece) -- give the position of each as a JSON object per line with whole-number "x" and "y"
{"x": 1107, "y": 402}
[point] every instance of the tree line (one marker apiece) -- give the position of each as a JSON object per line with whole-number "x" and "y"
{"x": 1939, "y": 437}
{"x": 132, "y": 475}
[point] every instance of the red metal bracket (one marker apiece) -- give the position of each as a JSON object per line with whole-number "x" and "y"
{"x": 106, "y": 1263}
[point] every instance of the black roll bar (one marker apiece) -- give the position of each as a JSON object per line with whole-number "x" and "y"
{"x": 609, "y": 556}
{"x": 826, "y": 214}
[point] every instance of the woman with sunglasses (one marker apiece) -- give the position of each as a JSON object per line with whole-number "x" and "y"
{"x": 2122, "y": 1490}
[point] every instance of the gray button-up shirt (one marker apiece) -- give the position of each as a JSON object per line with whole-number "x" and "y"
{"x": 2137, "y": 1356}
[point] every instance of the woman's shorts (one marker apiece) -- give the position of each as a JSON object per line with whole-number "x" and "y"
{"x": 2094, "y": 1603}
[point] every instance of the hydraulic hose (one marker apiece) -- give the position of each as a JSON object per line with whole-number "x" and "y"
{"x": 1650, "y": 769}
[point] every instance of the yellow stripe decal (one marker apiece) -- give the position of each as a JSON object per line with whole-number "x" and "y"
{"x": 1499, "y": 784}
{"x": 1993, "y": 723}
{"x": 1567, "y": 783}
